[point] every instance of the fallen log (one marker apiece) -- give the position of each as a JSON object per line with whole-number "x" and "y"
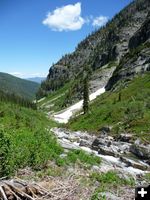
{"x": 14, "y": 189}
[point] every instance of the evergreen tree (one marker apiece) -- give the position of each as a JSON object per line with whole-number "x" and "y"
{"x": 86, "y": 95}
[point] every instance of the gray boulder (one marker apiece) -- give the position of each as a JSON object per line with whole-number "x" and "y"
{"x": 104, "y": 131}
{"x": 140, "y": 151}
{"x": 85, "y": 143}
{"x": 131, "y": 163}
{"x": 106, "y": 151}
{"x": 125, "y": 137}
{"x": 97, "y": 143}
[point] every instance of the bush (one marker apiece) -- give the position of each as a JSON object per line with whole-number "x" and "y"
{"x": 79, "y": 156}
{"x": 108, "y": 180}
{"x": 4, "y": 154}
{"x": 25, "y": 140}
{"x": 111, "y": 178}
{"x": 134, "y": 110}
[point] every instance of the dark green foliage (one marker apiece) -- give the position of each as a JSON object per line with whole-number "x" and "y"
{"x": 14, "y": 99}
{"x": 86, "y": 96}
{"x": 4, "y": 153}
{"x": 25, "y": 139}
{"x": 135, "y": 110}
{"x": 131, "y": 111}
{"x": 119, "y": 96}
{"x": 111, "y": 177}
{"x": 23, "y": 88}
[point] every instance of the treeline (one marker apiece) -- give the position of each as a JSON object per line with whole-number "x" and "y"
{"x": 13, "y": 98}
{"x": 48, "y": 86}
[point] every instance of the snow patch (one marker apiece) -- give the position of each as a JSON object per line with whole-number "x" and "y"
{"x": 64, "y": 117}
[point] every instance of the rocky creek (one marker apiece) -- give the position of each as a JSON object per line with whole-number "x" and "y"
{"x": 119, "y": 154}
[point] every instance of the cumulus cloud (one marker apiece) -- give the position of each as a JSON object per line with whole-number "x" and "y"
{"x": 66, "y": 18}
{"x": 100, "y": 21}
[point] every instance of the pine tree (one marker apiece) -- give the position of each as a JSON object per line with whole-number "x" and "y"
{"x": 86, "y": 95}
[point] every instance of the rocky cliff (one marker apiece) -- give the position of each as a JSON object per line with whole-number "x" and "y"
{"x": 137, "y": 60}
{"x": 113, "y": 47}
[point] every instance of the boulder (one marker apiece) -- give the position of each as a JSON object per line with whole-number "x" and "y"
{"x": 106, "y": 151}
{"x": 142, "y": 152}
{"x": 68, "y": 145}
{"x": 125, "y": 137}
{"x": 85, "y": 143}
{"x": 104, "y": 131}
{"x": 100, "y": 142}
{"x": 137, "y": 141}
{"x": 124, "y": 148}
{"x": 131, "y": 163}
{"x": 97, "y": 143}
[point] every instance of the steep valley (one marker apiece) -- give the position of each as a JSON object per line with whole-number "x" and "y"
{"x": 51, "y": 149}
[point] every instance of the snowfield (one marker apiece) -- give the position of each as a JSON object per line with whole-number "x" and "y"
{"x": 64, "y": 116}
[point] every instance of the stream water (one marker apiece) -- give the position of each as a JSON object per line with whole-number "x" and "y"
{"x": 82, "y": 140}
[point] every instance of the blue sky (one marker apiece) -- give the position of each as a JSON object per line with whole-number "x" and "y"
{"x": 36, "y": 33}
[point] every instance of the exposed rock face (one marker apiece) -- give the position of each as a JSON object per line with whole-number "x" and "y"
{"x": 111, "y": 43}
{"x": 141, "y": 35}
{"x": 137, "y": 60}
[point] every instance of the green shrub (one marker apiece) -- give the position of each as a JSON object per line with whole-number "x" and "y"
{"x": 80, "y": 156}
{"x": 111, "y": 178}
{"x": 107, "y": 181}
{"x": 25, "y": 140}
{"x": 4, "y": 154}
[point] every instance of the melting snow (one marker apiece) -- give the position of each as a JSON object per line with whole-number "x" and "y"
{"x": 64, "y": 117}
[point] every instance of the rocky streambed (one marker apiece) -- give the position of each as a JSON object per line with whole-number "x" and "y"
{"x": 119, "y": 154}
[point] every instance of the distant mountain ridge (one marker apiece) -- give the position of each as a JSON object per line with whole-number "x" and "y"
{"x": 36, "y": 79}
{"x": 23, "y": 88}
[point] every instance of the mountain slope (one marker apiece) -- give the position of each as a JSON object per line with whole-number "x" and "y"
{"x": 21, "y": 131}
{"x": 137, "y": 60}
{"x": 126, "y": 110}
{"x": 106, "y": 47}
{"x": 20, "y": 87}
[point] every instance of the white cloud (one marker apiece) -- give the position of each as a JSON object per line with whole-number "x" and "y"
{"x": 28, "y": 75}
{"x": 66, "y": 18}
{"x": 100, "y": 21}
{"x": 18, "y": 74}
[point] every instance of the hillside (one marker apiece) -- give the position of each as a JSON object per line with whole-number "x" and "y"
{"x": 54, "y": 169}
{"x": 11, "y": 84}
{"x": 124, "y": 111}
{"x": 126, "y": 37}
{"x": 102, "y": 52}
{"x": 21, "y": 130}
{"x": 37, "y": 79}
